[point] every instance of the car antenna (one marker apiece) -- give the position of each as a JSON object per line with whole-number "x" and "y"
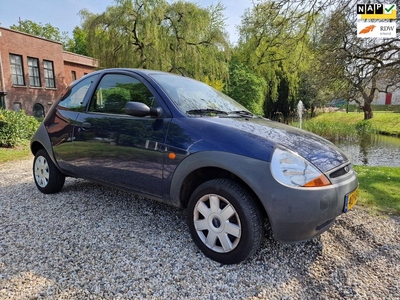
{"x": 179, "y": 70}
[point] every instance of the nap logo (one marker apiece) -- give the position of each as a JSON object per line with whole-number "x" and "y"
{"x": 376, "y": 30}
{"x": 376, "y": 11}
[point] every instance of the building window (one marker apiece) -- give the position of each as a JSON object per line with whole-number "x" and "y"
{"x": 73, "y": 75}
{"x": 38, "y": 111}
{"x": 2, "y": 99}
{"x": 17, "y": 106}
{"x": 34, "y": 75}
{"x": 17, "y": 70}
{"x": 49, "y": 80}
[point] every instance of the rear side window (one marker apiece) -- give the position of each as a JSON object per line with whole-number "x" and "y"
{"x": 115, "y": 90}
{"x": 75, "y": 96}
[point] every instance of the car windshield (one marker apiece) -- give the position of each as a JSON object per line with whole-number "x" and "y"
{"x": 194, "y": 97}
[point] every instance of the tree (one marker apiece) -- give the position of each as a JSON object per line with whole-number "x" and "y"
{"x": 246, "y": 88}
{"x": 125, "y": 34}
{"x": 153, "y": 34}
{"x": 46, "y": 31}
{"x": 284, "y": 105}
{"x": 360, "y": 67}
{"x": 349, "y": 67}
{"x": 273, "y": 43}
{"x": 196, "y": 39}
{"x": 311, "y": 92}
{"x": 78, "y": 43}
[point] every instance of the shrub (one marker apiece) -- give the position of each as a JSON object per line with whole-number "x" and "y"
{"x": 16, "y": 128}
{"x": 365, "y": 128}
{"x": 336, "y": 131}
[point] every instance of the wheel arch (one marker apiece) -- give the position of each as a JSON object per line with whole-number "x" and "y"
{"x": 41, "y": 140}
{"x": 204, "y": 166}
{"x": 36, "y": 146}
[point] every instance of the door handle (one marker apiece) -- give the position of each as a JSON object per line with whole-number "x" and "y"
{"x": 86, "y": 126}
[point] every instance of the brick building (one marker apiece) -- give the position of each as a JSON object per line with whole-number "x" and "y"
{"x": 34, "y": 71}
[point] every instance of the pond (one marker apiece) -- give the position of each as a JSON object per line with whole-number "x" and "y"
{"x": 377, "y": 150}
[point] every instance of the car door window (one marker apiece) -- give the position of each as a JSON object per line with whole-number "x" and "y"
{"x": 75, "y": 96}
{"x": 115, "y": 90}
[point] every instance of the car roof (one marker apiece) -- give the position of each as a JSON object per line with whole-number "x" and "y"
{"x": 135, "y": 70}
{"x": 143, "y": 72}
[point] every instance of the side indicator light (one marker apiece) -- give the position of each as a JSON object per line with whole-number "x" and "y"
{"x": 319, "y": 181}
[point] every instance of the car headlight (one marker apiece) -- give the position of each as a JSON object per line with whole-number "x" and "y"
{"x": 291, "y": 169}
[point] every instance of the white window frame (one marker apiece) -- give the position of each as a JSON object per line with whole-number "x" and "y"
{"x": 17, "y": 70}
{"x": 49, "y": 78}
{"x": 34, "y": 73}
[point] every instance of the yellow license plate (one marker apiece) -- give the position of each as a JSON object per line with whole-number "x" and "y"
{"x": 350, "y": 200}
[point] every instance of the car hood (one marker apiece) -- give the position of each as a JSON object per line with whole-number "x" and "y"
{"x": 317, "y": 150}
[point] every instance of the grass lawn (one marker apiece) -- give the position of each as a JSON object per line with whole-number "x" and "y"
{"x": 379, "y": 188}
{"x": 386, "y": 122}
{"x": 8, "y": 154}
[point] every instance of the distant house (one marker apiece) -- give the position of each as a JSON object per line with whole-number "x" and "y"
{"x": 34, "y": 71}
{"x": 392, "y": 98}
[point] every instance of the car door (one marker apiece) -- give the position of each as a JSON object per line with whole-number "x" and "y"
{"x": 116, "y": 148}
{"x": 60, "y": 123}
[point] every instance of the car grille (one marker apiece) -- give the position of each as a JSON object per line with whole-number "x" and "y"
{"x": 340, "y": 172}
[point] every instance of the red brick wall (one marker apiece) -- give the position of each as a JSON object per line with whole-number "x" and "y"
{"x": 79, "y": 71}
{"x": 13, "y": 42}
{"x": 80, "y": 64}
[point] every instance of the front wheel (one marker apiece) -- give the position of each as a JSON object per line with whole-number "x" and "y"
{"x": 224, "y": 221}
{"x": 48, "y": 178}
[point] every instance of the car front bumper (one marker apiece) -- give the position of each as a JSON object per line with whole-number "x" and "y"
{"x": 298, "y": 214}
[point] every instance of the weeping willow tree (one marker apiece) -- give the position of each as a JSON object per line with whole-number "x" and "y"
{"x": 155, "y": 34}
{"x": 273, "y": 43}
{"x": 125, "y": 34}
{"x": 196, "y": 39}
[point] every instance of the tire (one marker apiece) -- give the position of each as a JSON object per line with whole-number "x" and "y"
{"x": 48, "y": 178}
{"x": 224, "y": 221}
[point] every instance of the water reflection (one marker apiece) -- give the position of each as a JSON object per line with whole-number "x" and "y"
{"x": 375, "y": 150}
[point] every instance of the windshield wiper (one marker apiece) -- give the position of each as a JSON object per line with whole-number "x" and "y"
{"x": 206, "y": 111}
{"x": 242, "y": 113}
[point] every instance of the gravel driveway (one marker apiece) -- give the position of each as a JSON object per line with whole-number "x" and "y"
{"x": 93, "y": 242}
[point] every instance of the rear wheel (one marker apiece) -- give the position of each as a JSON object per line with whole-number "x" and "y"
{"x": 48, "y": 178}
{"x": 224, "y": 221}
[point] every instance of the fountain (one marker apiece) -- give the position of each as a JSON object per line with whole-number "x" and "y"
{"x": 300, "y": 109}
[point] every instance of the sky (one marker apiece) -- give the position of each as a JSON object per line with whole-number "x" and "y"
{"x": 63, "y": 14}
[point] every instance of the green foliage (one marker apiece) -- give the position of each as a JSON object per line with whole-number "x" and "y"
{"x": 334, "y": 131}
{"x": 78, "y": 44}
{"x": 16, "y": 128}
{"x": 284, "y": 104}
{"x": 340, "y": 125}
{"x": 246, "y": 88}
{"x": 46, "y": 31}
{"x": 216, "y": 83}
{"x": 274, "y": 44}
{"x": 156, "y": 34}
{"x": 364, "y": 128}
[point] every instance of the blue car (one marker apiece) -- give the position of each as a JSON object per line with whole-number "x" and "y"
{"x": 179, "y": 141}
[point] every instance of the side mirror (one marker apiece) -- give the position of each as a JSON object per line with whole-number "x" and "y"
{"x": 139, "y": 109}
